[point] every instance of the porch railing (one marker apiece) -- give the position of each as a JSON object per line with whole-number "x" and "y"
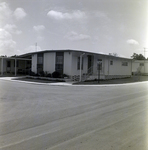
{"x": 86, "y": 75}
{"x": 92, "y": 72}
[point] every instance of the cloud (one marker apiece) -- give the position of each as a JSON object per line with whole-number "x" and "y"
{"x": 7, "y": 44}
{"x": 73, "y": 36}
{"x": 100, "y": 14}
{"x": 39, "y": 28}
{"x": 5, "y": 12}
{"x": 19, "y": 13}
{"x": 121, "y": 28}
{"x": 4, "y": 9}
{"x": 7, "y": 15}
{"x": 12, "y": 28}
{"x": 60, "y": 15}
{"x": 132, "y": 42}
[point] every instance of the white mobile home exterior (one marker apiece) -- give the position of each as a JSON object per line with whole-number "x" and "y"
{"x": 68, "y": 62}
{"x": 140, "y": 66}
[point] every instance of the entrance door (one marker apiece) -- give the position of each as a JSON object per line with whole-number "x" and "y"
{"x": 8, "y": 66}
{"x": 90, "y": 64}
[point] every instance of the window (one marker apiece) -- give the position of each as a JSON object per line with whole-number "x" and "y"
{"x": 59, "y": 59}
{"x": 124, "y": 63}
{"x": 59, "y": 64}
{"x": 40, "y": 58}
{"x": 40, "y": 62}
{"x": 78, "y": 63}
{"x": 141, "y": 64}
{"x": 8, "y": 64}
{"x": 111, "y": 62}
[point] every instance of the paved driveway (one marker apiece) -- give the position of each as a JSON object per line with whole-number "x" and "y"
{"x": 39, "y": 117}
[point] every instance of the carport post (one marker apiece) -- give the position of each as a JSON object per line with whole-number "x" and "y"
{"x": 15, "y": 66}
{"x": 2, "y": 62}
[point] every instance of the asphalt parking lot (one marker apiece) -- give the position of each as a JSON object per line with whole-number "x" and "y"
{"x": 39, "y": 117}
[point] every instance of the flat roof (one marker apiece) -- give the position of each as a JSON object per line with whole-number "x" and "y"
{"x": 70, "y": 50}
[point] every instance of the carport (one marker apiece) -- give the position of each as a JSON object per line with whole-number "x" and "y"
{"x": 3, "y": 65}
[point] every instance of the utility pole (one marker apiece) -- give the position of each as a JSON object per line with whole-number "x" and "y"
{"x": 145, "y": 50}
{"x": 36, "y": 46}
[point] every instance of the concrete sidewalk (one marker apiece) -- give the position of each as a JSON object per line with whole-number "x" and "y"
{"x": 133, "y": 79}
{"x": 113, "y": 82}
{"x": 20, "y": 79}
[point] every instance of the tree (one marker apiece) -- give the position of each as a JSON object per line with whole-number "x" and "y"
{"x": 14, "y": 56}
{"x": 138, "y": 56}
{"x": 3, "y": 56}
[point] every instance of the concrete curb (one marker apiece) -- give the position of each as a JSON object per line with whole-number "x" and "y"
{"x": 68, "y": 84}
{"x": 38, "y": 83}
{"x": 122, "y": 84}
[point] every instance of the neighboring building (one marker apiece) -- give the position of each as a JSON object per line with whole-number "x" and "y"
{"x": 68, "y": 62}
{"x": 14, "y": 65}
{"x": 140, "y": 67}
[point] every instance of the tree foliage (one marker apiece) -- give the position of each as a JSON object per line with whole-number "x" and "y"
{"x": 14, "y": 56}
{"x": 138, "y": 56}
{"x": 3, "y": 56}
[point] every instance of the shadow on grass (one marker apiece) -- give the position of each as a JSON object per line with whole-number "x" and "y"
{"x": 40, "y": 80}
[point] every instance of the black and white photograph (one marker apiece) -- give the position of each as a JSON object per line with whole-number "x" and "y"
{"x": 73, "y": 74}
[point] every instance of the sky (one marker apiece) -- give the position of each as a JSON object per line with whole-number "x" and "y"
{"x": 108, "y": 26}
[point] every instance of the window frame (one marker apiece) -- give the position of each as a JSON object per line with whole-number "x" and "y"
{"x": 141, "y": 64}
{"x": 111, "y": 62}
{"x": 124, "y": 63}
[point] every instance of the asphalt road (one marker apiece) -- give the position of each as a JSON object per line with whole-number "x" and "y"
{"x": 42, "y": 117}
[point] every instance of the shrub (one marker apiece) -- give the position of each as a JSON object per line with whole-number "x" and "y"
{"x": 37, "y": 75}
{"x": 49, "y": 75}
{"x": 56, "y": 74}
{"x": 31, "y": 73}
{"x": 64, "y": 76}
{"x": 42, "y": 74}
